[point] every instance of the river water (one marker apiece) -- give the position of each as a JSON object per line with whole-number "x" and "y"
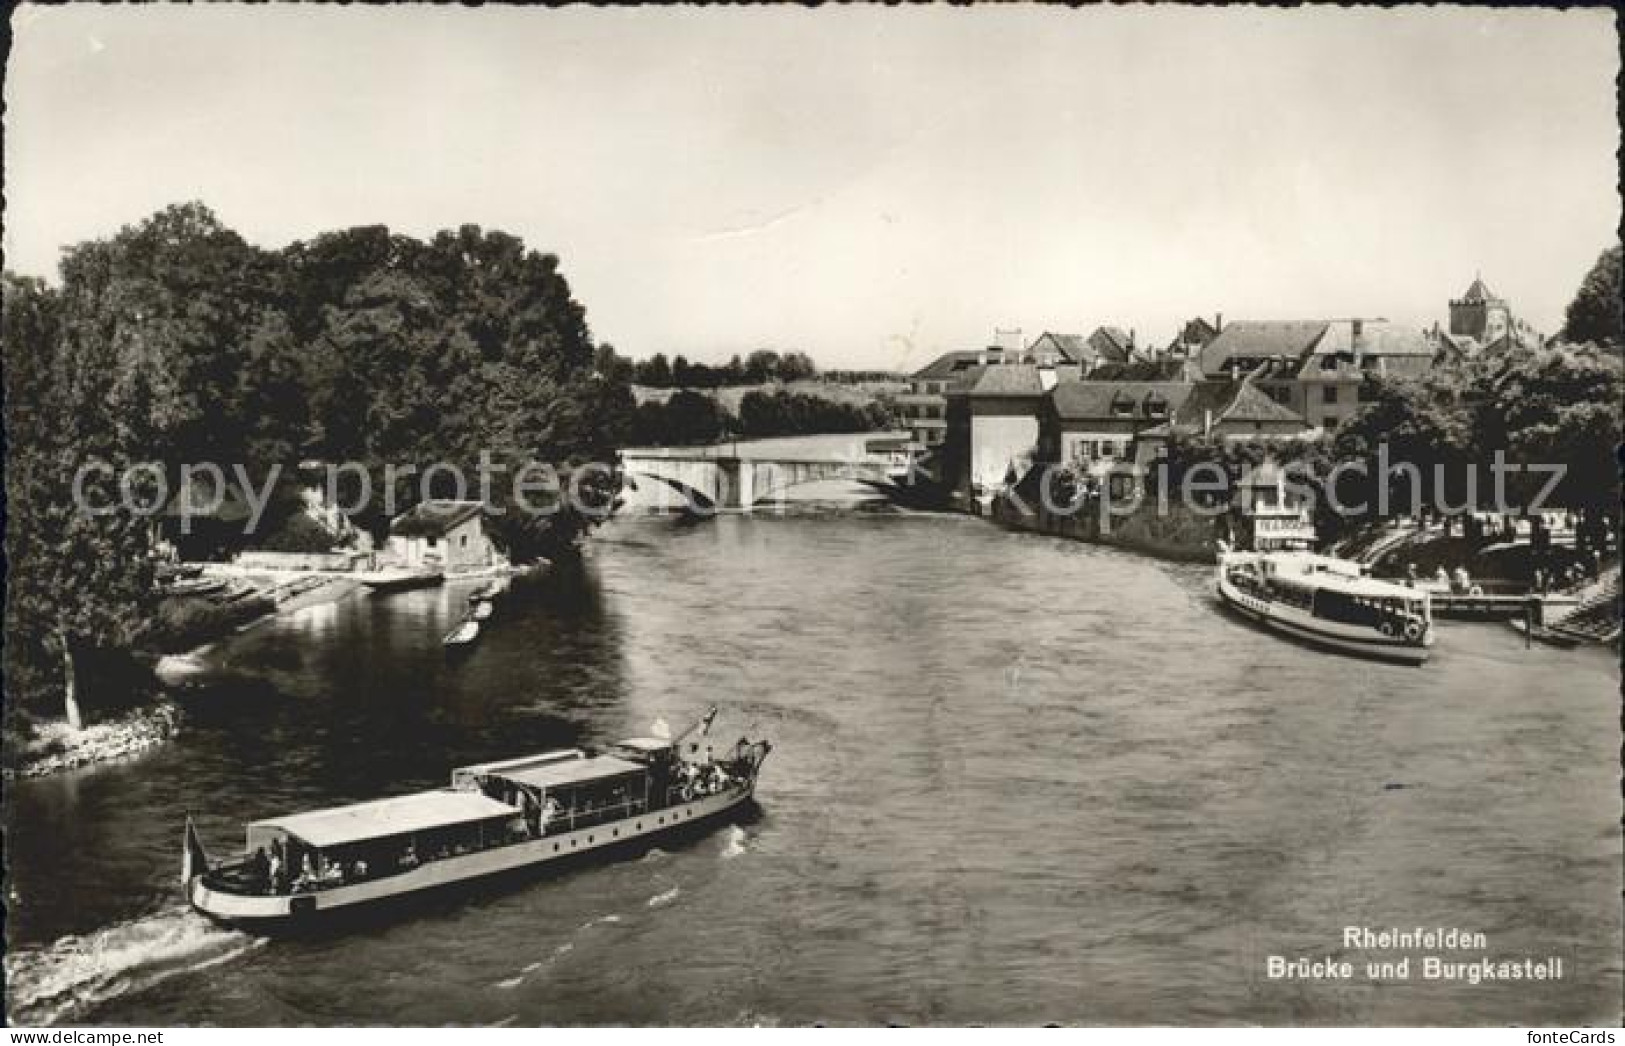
{"x": 1015, "y": 780}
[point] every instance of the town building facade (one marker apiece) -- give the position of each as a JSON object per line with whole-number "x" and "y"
{"x": 1318, "y": 369}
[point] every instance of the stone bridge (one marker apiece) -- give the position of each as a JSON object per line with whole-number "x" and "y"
{"x": 744, "y": 474}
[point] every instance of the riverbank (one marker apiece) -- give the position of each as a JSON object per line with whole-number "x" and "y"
{"x": 53, "y": 746}
{"x": 57, "y": 747}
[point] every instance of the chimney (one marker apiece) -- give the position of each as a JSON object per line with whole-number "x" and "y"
{"x": 1218, "y": 321}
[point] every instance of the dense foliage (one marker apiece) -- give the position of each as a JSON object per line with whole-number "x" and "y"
{"x": 177, "y": 342}
{"x": 1594, "y": 315}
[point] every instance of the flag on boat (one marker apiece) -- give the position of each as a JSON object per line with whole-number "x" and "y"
{"x": 194, "y": 859}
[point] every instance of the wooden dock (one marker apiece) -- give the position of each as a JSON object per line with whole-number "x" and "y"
{"x": 1494, "y": 606}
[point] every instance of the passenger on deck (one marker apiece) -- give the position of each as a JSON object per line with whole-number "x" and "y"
{"x": 259, "y": 869}
{"x": 409, "y": 859}
{"x": 551, "y": 812}
{"x": 1463, "y": 583}
{"x": 274, "y": 871}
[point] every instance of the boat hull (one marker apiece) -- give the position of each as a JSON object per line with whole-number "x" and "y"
{"x": 1308, "y": 629}
{"x": 334, "y": 906}
{"x": 403, "y": 582}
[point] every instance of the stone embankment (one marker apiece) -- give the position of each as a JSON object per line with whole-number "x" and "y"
{"x": 58, "y": 747}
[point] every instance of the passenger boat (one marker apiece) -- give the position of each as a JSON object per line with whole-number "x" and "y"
{"x": 1328, "y": 602}
{"x": 530, "y": 813}
{"x": 401, "y": 580}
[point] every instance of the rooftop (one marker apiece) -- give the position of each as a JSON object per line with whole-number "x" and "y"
{"x": 1088, "y": 400}
{"x": 1073, "y": 347}
{"x": 948, "y": 365}
{"x": 1376, "y": 338}
{"x": 1008, "y": 379}
{"x": 1111, "y": 344}
{"x": 1260, "y": 339}
{"x": 1478, "y": 291}
{"x": 433, "y": 518}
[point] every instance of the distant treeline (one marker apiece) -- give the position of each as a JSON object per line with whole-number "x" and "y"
{"x": 760, "y": 367}
{"x": 689, "y": 418}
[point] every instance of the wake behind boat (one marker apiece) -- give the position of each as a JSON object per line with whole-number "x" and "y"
{"x": 1328, "y": 602}
{"x": 493, "y": 818}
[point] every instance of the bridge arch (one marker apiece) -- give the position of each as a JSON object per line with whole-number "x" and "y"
{"x": 698, "y": 501}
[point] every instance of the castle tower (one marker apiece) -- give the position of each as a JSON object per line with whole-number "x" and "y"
{"x": 1479, "y": 314}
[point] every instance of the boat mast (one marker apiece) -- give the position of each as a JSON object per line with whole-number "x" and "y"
{"x": 702, "y": 725}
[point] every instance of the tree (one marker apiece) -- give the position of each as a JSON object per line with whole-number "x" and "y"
{"x": 1559, "y": 406}
{"x": 1419, "y": 428}
{"x": 694, "y": 418}
{"x": 1594, "y": 315}
{"x": 796, "y": 366}
{"x": 78, "y": 392}
{"x": 656, "y": 371}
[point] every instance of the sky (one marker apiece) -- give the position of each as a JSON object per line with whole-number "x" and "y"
{"x": 870, "y": 185}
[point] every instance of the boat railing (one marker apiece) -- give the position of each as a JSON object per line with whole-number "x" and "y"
{"x": 571, "y": 819}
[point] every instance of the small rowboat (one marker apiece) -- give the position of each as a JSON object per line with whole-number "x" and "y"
{"x": 401, "y": 580}
{"x": 489, "y": 591}
{"x": 463, "y": 635}
{"x": 202, "y": 586}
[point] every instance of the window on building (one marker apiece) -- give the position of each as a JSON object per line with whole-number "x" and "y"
{"x": 1329, "y": 422}
{"x": 1328, "y": 394}
{"x": 429, "y": 542}
{"x": 462, "y": 542}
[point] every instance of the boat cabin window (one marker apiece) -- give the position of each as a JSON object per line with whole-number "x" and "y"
{"x": 1353, "y": 609}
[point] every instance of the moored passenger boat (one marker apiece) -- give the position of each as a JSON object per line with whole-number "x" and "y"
{"x": 525, "y": 813}
{"x": 1328, "y": 602}
{"x": 401, "y": 579}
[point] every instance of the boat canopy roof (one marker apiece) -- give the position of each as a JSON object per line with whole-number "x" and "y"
{"x": 382, "y": 818}
{"x": 1307, "y": 570}
{"x": 571, "y": 771}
